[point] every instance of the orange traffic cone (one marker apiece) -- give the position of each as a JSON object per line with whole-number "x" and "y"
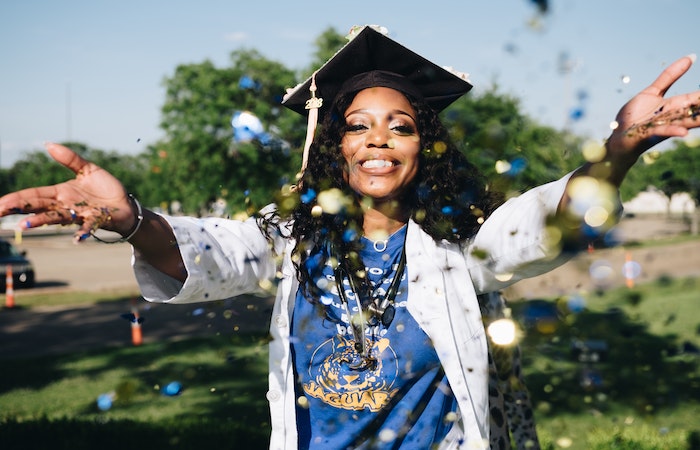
{"x": 9, "y": 288}
{"x": 629, "y": 275}
{"x": 136, "y": 333}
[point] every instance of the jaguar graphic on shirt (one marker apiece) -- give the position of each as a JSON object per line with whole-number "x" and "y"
{"x": 333, "y": 381}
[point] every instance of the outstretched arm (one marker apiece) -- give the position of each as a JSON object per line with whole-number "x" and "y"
{"x": 647, "y": 119}
{"x": 95, "y": 199}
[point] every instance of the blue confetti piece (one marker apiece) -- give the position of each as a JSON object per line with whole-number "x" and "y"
{"x": 517, "y": 165}
{"x": 308, "y": 196}
{"x": 104, "y": 402}
{"x": 172, "y": 389}
{"x": 577, "y": 113}
{"x": 349, "y": 235}
{"x": 247, "y": 82}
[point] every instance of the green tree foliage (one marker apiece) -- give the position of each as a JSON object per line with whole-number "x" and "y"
{"x": 672, "y": 171}
{"x": 198, "y": 162}
{"x": 327, "y": 44}
{"x": 490, "y": 128}
{"x": 38, "y": 168}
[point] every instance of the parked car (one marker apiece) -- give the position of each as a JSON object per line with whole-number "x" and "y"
{"x": 22, "y": 268}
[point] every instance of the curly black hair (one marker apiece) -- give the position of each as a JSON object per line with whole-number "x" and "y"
{"x": 448, "y": 197}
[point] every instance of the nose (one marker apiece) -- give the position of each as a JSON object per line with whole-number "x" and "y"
{"x": 378, "y": 137}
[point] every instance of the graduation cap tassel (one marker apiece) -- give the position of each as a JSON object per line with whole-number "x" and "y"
{"x": 313, "y": 104}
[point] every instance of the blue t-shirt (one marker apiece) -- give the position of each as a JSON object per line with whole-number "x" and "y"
{"x": 400, "y": 403}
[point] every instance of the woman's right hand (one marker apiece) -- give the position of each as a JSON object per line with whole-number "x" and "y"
{"x": 93, "y": 199}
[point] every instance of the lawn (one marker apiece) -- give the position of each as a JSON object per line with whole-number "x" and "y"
{"x": 635, "y": 384}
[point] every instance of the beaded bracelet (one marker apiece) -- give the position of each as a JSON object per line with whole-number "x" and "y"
{"x": 139, "y": 221}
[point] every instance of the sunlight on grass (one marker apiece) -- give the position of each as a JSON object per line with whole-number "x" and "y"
{"x": 226, "y": 375}
{"x": 33, "y": 298}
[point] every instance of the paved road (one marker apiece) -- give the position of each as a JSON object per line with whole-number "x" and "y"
{"x": 42, "y": 331}
{"x": 90, "y": 266}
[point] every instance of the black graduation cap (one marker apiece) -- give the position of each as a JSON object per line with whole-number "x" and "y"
{"x": 373, "y": 59}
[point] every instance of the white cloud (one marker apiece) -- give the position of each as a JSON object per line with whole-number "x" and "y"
{"x": 236, "y": 36}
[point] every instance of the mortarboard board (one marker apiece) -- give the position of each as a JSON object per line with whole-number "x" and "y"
{"x": 372, "y": 59}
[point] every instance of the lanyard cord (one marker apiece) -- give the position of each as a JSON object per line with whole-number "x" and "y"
{"x": 380, "y": 311}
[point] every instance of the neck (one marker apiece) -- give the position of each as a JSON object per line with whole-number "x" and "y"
{"x": 381, "y": 221}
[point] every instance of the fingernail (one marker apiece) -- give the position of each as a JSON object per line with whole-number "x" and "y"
{"x": 693, "y": 57}
{"x": 78, "y": 238}
{"x": 27, "y": 225}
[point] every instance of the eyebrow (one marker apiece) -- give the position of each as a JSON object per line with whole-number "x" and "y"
{"x": 393, "y": 112}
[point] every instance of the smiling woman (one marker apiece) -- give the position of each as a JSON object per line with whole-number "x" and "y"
{"x": 381, "y": 145}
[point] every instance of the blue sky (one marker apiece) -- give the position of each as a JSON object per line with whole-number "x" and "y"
{"x": 92, "y": 71}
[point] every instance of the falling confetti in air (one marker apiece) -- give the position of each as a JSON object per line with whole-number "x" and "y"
{"x": 502, "y": 332}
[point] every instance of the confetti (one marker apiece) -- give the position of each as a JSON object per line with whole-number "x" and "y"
{"x": 105, "y": 401}
{"x": 172, "y": 389}
{"x": 502, "y": 332}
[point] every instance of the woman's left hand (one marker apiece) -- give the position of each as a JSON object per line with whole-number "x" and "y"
{"x": 649, "y": 118}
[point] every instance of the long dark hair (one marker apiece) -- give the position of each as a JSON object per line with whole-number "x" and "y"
{"x": 448, "y": 198}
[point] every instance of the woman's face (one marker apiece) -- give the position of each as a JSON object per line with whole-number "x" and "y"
{"x": 381, "y": 144}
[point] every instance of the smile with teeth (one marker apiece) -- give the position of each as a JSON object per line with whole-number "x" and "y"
{"x": 377, "y": 163}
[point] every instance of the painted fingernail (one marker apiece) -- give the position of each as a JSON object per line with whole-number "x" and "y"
{"x": 83, "y": 236}
{"x": 693, "y": 57}
{"x": 27, "y": 224}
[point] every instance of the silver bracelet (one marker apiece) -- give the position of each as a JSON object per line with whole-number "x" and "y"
{"x": 139, "y": 221}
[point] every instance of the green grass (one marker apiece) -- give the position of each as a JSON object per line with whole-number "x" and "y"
{"x": 32, "y": 299}
{"x": 648, "y": 398}
{"x": 621, "y": 429}
{"x": 669, "y": 306}
{"x": 220, "y": 375}
{"x": 648, "y": 389}
{"x": 224, "y": 381}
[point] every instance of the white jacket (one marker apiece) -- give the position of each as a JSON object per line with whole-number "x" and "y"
{"x": 225, "y": 258}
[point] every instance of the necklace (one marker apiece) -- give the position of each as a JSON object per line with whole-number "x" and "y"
{"x": 380, "y": 246}
{"x": 380, "y": 309}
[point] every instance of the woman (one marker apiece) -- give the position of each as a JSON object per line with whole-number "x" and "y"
{"x": 387, "y": 240}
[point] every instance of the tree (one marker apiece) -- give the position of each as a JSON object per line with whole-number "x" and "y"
{"x": 327, "y": 44}
{"x": 672, "y": 171}
{"x": 37, "y": 168}
{"x": 675, "y": 170}
{"x": 198, "y": 162}
{"x": 513, "y": 151}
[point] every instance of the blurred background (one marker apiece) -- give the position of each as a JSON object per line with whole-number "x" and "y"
{"x": 181, "y": 101}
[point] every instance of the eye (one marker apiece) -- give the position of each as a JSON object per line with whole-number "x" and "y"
{"x": 355, "y": 128}
{"x": 403, "y": 130}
